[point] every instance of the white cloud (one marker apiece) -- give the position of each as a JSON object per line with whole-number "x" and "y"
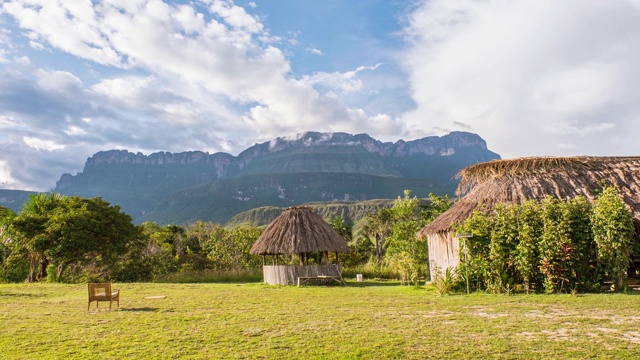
{"x": 529, "y": 76}
{"x": 314, "y": 51}
{"x": 344, "y": 81}
{"x": 225, "y": 57}
{"x": 578, "y": 130}
{"x": 6, "y": 181}
{"x": 178, "y": 80}
{"x": 42, "y": 144}
{"x": 74, "y": 130}
{"x": 58, "y": 81}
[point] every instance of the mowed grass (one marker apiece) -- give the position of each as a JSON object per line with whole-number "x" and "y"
{"x": 367, "y": 320}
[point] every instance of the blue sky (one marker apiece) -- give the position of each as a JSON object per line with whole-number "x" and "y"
{"x": 532, "y": 77}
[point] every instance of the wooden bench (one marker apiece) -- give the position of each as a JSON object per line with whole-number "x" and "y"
{"x": 102, "y": 292}
{"x": 305, "y": 279}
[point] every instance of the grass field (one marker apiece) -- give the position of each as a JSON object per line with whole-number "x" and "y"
{"x": 367, "y": 320}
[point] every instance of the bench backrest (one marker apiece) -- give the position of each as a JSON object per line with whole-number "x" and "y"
{"x": 100, "y": 291}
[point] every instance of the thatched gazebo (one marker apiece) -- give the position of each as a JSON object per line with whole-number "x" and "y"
{"x": 299, "y": 231}
{"x": 518, "y": 180}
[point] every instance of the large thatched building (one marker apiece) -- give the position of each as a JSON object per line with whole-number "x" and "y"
{"x": 299, "y": 231}
{"x": 518, "y": 180}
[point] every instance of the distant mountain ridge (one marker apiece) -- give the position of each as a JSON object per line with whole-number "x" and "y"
{"x": 227, "y": 165}
{"x": 306, "y": 167}
{"x": 14, "y": 199}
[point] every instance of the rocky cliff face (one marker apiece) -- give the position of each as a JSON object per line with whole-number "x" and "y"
{"x": 432, "y": 145}
{"x": 224, "y": 165}
{"x": 310, "y": 166}
{"x": 159, "y": 158}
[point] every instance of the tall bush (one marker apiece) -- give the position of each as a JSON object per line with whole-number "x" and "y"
{"x": 405, "y": 251}
{"x": 612, "y": 225}
{"x": 527, "y": 254}
{"x": 558, "y": 254}
{"x": 581, "y": 234}
{"x": 474, "y": 267}
{"x": 502, "y": 248}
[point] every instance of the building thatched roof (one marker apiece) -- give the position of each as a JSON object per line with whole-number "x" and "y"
{"x": 299, "y": 230}
{"x": 518, "y": 180}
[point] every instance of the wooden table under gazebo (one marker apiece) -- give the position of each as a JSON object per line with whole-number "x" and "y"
{"x": 299, "y": 231}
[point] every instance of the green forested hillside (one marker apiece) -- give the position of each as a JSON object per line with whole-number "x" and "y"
{"x": 354, "y": 213}
{"x": 220, "y": 200}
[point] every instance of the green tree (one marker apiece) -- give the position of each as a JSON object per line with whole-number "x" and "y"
{"x": 208, "y": 236}
{"x": 231, "y": 251}
{"x": 613, "y": 232}
{"x": 65, "y": 231}
{"x": 6, "y": 242}
{"x": 31, "y": 239}
{"x": 343, "y": 229}
{"x": 378, "y": 227}
{"x": 407, "y": 252}
{"x": 151, "y": 258}
{"x": 360, "y": 250}
{"x": 436, "y": 206}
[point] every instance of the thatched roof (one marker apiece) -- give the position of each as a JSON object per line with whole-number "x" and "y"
{"x": 299, "y": 230}
{"x": 518, "y": 180}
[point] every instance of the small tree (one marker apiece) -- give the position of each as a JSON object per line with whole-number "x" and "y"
{"x": 379, "y": 225}
{"x": 407, "y": 253}
{"x": 613, "y": 231}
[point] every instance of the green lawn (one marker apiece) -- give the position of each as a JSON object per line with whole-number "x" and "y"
{"x": 361, "y": 320}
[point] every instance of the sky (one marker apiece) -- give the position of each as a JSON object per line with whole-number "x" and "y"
{"x": 531, "y": 77}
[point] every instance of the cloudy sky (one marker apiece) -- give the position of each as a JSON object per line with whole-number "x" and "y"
{"x": 532, "y": 77}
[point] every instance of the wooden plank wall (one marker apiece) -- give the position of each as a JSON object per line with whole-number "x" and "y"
{"x": 443, "y": 252}
{"x": 288, "y": 274}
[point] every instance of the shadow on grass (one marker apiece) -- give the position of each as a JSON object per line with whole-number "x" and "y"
{"x": 371, "y": 283}
{"x": 21, "y": 295}
{"x": 142, "y": 309}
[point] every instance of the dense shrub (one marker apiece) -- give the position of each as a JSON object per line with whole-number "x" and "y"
{"x": 553, "y": 245}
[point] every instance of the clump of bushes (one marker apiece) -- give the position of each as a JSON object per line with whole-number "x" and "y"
{"x": 552, "y": 246}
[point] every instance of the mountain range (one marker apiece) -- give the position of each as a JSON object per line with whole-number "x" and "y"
{"x": 176, "y": 188}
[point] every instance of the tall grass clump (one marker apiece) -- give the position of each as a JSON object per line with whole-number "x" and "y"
{"x": 372, "y": 269}
{"x": 444, "y": 282}
{"x": 213, "y": 276}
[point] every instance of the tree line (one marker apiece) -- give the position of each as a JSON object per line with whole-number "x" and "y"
{"x": 73, "y": 239}
{"x": 548, "y": 246}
